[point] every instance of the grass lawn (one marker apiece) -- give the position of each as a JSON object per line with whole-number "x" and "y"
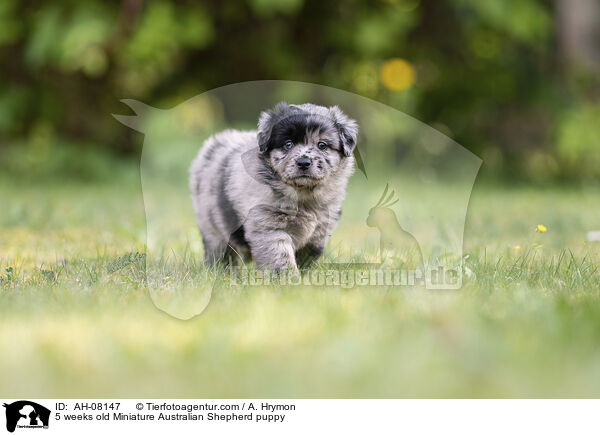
{"x": 525, "y": 324}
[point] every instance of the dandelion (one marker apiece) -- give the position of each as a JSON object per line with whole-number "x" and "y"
{"x": 541, "y": 228}
{"x": 517, "y": 248}
{"x": 397, "y": 74}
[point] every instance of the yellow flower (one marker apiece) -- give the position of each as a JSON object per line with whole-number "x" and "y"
{"x": 517, "y": 248}
{"x": 397, "y": 74}
{"x": 541, "y": 228}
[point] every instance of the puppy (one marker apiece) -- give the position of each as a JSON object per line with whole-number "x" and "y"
{"x": 274, "y": 195}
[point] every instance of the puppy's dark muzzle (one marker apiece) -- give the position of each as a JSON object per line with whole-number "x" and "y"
{"x": 303, "y": 163}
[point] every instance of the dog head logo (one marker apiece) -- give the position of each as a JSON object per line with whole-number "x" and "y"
{"x": 423, "y": 209}
{"x": 26, "y": 414}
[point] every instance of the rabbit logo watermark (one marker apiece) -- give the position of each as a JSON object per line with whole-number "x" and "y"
{"x": 403, "y": 214}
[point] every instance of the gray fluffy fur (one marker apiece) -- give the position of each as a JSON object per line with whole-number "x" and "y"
{"x": 274, "y": 194}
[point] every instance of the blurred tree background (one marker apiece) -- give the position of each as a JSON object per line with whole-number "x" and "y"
{"x": 515, "y": 81}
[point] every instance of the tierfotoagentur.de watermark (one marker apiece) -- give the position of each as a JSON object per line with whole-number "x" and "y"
{"x": 348, "y": 278}
{"x": 400, "y": 224}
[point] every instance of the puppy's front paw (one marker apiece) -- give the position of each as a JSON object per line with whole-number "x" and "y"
{"x": 283, "y": 275}
{"x": 289, "y": 269}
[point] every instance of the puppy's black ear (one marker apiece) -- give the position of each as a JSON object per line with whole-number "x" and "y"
{"x": 347, "y": 129}
{"x": 267, "y": 120}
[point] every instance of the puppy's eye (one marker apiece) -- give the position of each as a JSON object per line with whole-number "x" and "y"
{"x": 288, "y": 144}
{"x": 322, "y": 145}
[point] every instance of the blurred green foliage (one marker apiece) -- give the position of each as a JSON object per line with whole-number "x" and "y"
{"x": 494, "y": 75}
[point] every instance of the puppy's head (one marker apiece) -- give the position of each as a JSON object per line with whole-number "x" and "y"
{"x": 306, "y": 144}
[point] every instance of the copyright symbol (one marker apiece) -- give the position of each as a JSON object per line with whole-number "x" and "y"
{"x": 139, "y": 406}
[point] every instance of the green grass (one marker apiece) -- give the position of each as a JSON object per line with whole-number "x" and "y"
{"x": 525, "y": 324}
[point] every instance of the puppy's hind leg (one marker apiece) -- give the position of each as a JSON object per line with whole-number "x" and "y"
{"x": 314, "y": 248}
{"x": 214, "y": 251}
{"x": 308, "y": 254}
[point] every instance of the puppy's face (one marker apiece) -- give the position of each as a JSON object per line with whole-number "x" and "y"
{"x": 306, "y": 144}
{"x": 305, "y": 149}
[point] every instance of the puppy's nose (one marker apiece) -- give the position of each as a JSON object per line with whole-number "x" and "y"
{"x": 303, "y": 162}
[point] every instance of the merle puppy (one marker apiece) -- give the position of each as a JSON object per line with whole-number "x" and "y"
{"x": 274, "y": 195}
